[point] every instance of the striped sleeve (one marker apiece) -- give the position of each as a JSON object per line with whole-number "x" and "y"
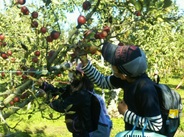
{"x": 153, "y": 123}
{"x": 96, "y": 77}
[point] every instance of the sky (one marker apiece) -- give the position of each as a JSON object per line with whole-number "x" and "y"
{"x": 180, "y": 3}
{"x": 70, "y": 16}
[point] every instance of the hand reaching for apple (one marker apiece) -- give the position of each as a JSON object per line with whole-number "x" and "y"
{"x": 92, "y": 50}
{"x": 37, "y": 82}
{"x": 84, "y": 60}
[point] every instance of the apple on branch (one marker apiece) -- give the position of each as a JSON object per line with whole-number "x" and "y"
{"x": 37, "y": 53}
{"x": 2, "y": 74}
{"x": 49, "y": 38}
{"x": 35, "y": 59}
{"x": 137, "y": 13}
{"x": 106, "y": 28}
{"x": 98, "y": 35}
{"x": 81, "y": 20}
{"x": 34, "y": 24}
{"x": 18, "y": 72}
{"x": 43, "y": 30}
{"x": 55, "y": 34}
{"x": 25, "y": 10}
{"x": 24, "y": 76}
{"x": 21, "y": 2}
{"x": 16, "y": 99}
{"x": 34, "y": 14}
{"x": 2, "y": 37}
{"x": 4, "y": 55}
{"x": 104, "y": 34}
{"x": 86, "y": 5}
{"x": 11, "y": 103}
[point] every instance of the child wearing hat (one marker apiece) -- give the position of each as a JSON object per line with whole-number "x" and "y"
{"x": 140, "y": 104}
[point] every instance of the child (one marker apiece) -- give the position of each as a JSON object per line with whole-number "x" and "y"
{"x": 85, "y": 111}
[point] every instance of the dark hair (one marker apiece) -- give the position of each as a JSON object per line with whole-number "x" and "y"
{"x": 86, "y": 83}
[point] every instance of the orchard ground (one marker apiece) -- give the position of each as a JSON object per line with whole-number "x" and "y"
{"x": 29, "y": 124}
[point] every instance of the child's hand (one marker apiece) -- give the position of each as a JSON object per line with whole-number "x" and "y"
{"x": 84, "y": 60}
{"x": 122, "y": 107}
{"x": 39, "y": 82}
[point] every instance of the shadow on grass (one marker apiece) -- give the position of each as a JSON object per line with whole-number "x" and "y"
{"x": 27, "y": 133}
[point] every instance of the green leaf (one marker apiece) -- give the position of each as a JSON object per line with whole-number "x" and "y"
{"x": 167, "y": 3}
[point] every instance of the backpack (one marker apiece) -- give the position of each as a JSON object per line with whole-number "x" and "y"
{"x": 102, "y": 128}
{"x": 171, "y": 108}
{"x": 75, "y": 124}
{"x": 101, "y": 120}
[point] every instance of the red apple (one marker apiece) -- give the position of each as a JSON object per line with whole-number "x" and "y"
{"x": 24, "y": 10}
{"x": 11, "y": 103}
{"x": 107, "y": 29}
{"x": 24, "y": 76}
{"x": 86, "y": 5}
{"x": 103, "y": 34}
{"x": 37, "y": 53}
{"x": 2, "y": 74}
{"x": 16, "y": 99}
{"x": 35, "y": 59}
{"x": 98, "y": 35}
{"x": 34, "y": 24}
{"x": 18, "y": 72}
{"x": 4, "y": 55}
{"x": 9, "y": 52}
{"x": 55, "y": 34}
{"x": 49, "y": 38}
{"x": 138, "y": 13}
{"x": 2, "y": 37}
{"x": 34, "y": 14}
{"x": 81, "y": 20}
{"x": 21, "y": 2}
{"x": 43, "y": 30}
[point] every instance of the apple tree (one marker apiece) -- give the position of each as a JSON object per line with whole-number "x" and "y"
{"x": 35, "y": 42}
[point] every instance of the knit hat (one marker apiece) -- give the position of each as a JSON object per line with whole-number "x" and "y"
{"x": 129, "y": 59}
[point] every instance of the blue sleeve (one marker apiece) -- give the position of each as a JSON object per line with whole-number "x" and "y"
{"x": 50, "y": 88}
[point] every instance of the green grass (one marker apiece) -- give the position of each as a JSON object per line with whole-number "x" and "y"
{"x": 33, "y": 125}
{"x": 38, "y": 127}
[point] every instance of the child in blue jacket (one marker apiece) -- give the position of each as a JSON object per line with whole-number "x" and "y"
{"x": 85, "y": 111}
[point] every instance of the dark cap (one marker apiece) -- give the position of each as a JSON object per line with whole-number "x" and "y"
{"x": 129, "y": 59}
